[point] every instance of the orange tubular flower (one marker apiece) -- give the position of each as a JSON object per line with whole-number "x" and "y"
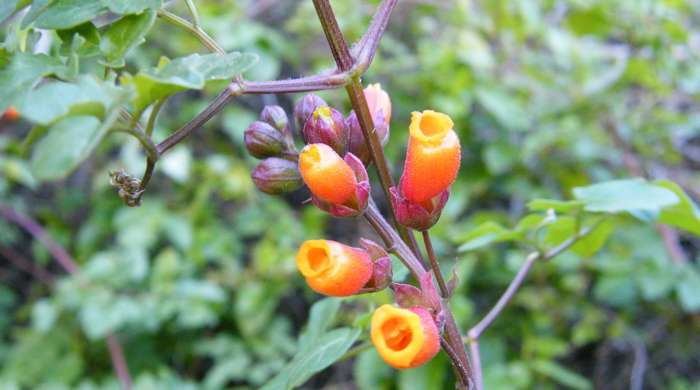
{"x": 334, "y": 269}
{"x": 404, "y": 338}
{"x": 378, "y": 99}
{"x": 433, "y": 156}
{"x": 328, "y": 176}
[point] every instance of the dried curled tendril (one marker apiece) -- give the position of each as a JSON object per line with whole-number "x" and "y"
{"x": 130, "y": 189}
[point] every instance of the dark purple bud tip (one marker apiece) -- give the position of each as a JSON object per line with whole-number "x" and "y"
{"x": 276, "y": 176}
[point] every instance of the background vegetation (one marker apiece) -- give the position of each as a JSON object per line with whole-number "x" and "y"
{"x": 199, "y": 282}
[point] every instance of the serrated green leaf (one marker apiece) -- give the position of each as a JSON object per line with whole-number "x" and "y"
{"x": 124, "y": 35}
{"x": 685, "y": 214}
{"x": 60, "y": 14}
{"x": 629, "y": 195}
{"x": 133, "y": 6}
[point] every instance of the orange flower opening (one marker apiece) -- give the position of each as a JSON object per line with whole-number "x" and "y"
{"x": 328, "y": 176}
{"x": 334, "y": 269}
{"x": 378, "y": 99}
{"x": 404, "y": 338}
{"x": 433, "y": 156}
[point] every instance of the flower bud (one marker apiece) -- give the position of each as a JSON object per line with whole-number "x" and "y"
{"x": 356, "y": 138}
{"x": 326, "y": 126}
{"x": 275, "y": 117}
{"x": 418, "y": 216}
{"x": 432, "y": 159}
{"x": 276, "y": 176}
{"x": 404, "y": 338}
{"x": 338, "y": 186}
{"x": 262, "y": 140}
{"x": 11, "y": 114}
{"x": 334, "y": 269}
{"x": 305, "y": 107}
{"x": 378, "y": 102}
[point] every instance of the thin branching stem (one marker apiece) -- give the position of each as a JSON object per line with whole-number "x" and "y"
{"x": 435, "y": 265}
{"x": 511, "y": 290}
{"x": 200, "y": 34}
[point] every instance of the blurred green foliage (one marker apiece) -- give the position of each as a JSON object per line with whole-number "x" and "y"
{"x": 199, "y": 283}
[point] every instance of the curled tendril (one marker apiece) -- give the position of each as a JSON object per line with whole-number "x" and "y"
{"x": 130, "y": 189}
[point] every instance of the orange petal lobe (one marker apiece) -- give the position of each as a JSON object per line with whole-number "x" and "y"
{"x": 333, "y": 269}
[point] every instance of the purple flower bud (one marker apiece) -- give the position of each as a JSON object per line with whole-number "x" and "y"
{"x": 305, "y": 107}
{"x": 326, "y": 126}
{"x": 276, "y": 176}
{"x": 262, "y": 140}
{"x": 356, "y": 139}
{"x": 275, "y": 117}
{"x": 418, "y": 216}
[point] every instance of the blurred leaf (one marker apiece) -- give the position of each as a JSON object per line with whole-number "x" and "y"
{"x": 60, "y": 14}
{"x": 629, "y": 195}
{"x": 69, "y": 142}
{"x": 556, "y": 205}
{"x": 685, "y": 214}
{"x": 485, "y": 234}
{"x": 7, "y": 7}
{"x": 561, "y": 375}
{"x": 123, "y": 35}
{"x": 132, "y": 6}
{"x": 688, "y": 290}
{"x": 22, "y": 70}
{"x": 318, "y": 347}
{"x": 565, "y": 227}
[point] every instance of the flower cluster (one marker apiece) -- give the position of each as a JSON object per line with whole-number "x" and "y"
{"x": 332, "y": 165}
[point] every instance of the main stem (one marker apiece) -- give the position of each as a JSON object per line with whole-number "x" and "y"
{"x": 345, "y": 62}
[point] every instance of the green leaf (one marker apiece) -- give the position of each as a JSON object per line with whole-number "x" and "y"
{"x": 561, "y": 374}
{"x": 685, "y": 214}
{"x": 20, "y": 73}
{"x": 133, "y": 6}
{"x": 324, "y": 351}
{"x": 69, "y": 141}
{"x": 7, "y": 7}
{"x": 62, "y": 14}
{"x": 88, "y": 96}
{"x": 191, "y": 72}
{"x": 485, "y": 234}
{"x": 556, "y": 205}
{"x": 629, "y": 195}
{"x": 565, "y": 227}
{"x": 124, "y": 35}
{"x": 318, "y": 347}
{"x": 688, "y": 291}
